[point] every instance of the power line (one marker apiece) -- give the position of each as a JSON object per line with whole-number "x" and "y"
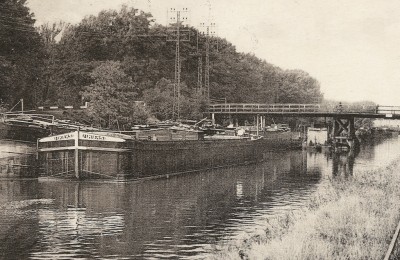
{"x": 18, "y": 11}
{"x": 16, "y": 28}
{"x": 20, "y": 19}
{"x": 25, "y": 14}
{"x": 17, "y": 23}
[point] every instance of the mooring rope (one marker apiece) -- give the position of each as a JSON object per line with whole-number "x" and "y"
{"x": 101, "y": 174}
{"x": 59, "y": 173}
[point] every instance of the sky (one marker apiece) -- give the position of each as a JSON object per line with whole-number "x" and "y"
{"x": 351, "y": 47}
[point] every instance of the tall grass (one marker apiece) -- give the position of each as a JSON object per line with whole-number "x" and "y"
{"x": 349, "y": 218}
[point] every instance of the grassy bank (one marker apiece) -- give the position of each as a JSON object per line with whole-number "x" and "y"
{"x": 351, "y": 217}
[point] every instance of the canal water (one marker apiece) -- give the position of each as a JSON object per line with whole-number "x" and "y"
{"x": 180, "y": 217}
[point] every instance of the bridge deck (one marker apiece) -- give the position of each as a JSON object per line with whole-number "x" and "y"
{"x": 306, "y": 110}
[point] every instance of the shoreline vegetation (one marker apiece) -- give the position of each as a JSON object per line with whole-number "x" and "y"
{"x": 349, "y": 217}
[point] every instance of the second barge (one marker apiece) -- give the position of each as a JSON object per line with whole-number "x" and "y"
{"x": 102, "y": 155}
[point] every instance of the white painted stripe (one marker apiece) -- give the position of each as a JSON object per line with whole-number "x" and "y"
{"x": 54, "y": 149}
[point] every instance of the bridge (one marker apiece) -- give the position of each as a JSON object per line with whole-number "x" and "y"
{"x": 343, "y": 116}
{"x": 305, "y": 110}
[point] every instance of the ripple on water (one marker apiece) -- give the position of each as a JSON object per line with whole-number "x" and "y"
{"x": 181, "y": 217}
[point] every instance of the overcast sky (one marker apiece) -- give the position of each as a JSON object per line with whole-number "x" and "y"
{"x": 351, "y": 47}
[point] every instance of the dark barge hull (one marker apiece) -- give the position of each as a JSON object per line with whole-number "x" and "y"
{"x": 160, "y": 158}
{"x": 124, "y": 159}
{"x": 28, "y": 133}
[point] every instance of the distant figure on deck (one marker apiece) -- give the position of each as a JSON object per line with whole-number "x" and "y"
{"x": 339, "y": 108}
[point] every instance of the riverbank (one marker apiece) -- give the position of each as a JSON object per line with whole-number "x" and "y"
{"x": 351, "y": 217}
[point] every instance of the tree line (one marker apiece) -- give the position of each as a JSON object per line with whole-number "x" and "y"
{"x": 121, "y": 56}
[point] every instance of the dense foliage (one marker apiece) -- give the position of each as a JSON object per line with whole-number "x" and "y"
{"x": 21, "y": 53}
{"x": 125, "y": 54}
{"x": 112, "y": 97}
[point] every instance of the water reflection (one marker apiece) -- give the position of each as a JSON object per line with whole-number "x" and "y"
{"x": 174, "y": 217}
{"x": 17, "y": 159}
{"x": 19, "y": 229}
{"x": 343, "y": 163}
{"x": 18, "y": 190}
{"x": 179, "y": 217}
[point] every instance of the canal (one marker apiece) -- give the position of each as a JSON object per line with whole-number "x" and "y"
{"x": 179, "y": 217}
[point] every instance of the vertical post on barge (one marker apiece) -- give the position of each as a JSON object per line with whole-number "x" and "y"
{"x": 258, "y": 123}
{"x": 77, "y": 154}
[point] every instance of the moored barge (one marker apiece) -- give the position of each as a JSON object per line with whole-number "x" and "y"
{"x": 25, "y": 127}
{"x": 106, "y": 155}
{"x": 30, "y": 127}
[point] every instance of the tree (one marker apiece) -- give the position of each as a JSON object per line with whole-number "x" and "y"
{"x": 160, "y": 99}
{"x": 296, "y": 86}
{"x": 20, "y": 52}
{"x": 47, "y": 91}
{"x": 194, "y": 106}
{"x": 112, "y": 97}
{"x": 129, "y": 38}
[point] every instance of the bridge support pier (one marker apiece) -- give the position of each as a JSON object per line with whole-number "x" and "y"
{"x": 344, "y": 132}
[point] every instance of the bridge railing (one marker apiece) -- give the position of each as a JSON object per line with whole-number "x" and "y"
{"x": 264, "y": 108}
{"x": 394, "y": 110}
{"x": 291, "y": 108}
{"x": 360, "y": 109}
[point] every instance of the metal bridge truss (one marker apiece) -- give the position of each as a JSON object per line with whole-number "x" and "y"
{"x": 343, "y": 116}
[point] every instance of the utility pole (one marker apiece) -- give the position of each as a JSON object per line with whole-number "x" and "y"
{"x": 177, "y": 18}
{"x": 209, "y": 31}
{"x": 207, "y": 69}
{"x": 199, "y": 68}
{"x": 177, "y": 83}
